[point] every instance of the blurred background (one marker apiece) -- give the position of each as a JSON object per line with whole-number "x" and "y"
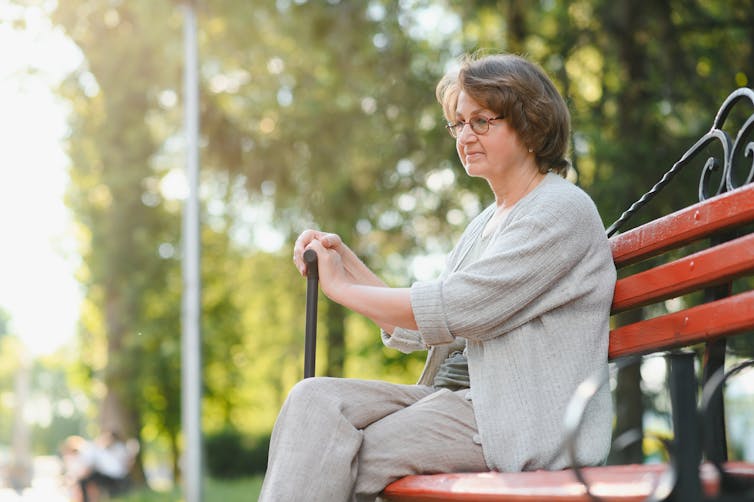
{"x": 317, "y": 113}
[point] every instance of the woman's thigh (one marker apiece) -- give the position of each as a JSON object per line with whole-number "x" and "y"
{"x": 360, "y": 402}
{"x": 316, "y": 440}
{"x": 435, "y": 434}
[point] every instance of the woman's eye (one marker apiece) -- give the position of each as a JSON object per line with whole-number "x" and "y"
{"x": 478, "y": 123}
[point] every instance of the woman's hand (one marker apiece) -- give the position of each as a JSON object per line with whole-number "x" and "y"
{"x": 334, "y": 279}
{"x": 345, "y": 279}
{"x": 333, "y": 274}
{"x": 328, "y": 241}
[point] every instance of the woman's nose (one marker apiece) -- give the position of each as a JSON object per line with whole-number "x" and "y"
{"x": 466, "y": 133}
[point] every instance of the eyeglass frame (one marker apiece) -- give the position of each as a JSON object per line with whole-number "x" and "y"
{"x": 455, "y": 131}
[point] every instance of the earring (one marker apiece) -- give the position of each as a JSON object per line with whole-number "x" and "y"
{"x": 531, "y": 150}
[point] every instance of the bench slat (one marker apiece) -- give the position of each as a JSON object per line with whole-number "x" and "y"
{"x": 686, "y": 225}
{"x": 706, "y": 268}
{"x": 696, "y": 324}
{"x": 616, "y": 483}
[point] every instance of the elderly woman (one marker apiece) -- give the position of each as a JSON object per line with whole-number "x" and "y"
{"x": 516, "y": 321}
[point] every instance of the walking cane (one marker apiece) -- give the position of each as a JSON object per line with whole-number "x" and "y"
{"x": 310, "y": 345}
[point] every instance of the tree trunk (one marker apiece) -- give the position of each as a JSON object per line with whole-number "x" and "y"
{"x": 628, "y": 21}
{"x": 336, "y": 344}
{"x": 117, "y": 414}
{"x": 516, "y": 32}
{"x": 175, "y": 455}
{"x": 629, "y": 407}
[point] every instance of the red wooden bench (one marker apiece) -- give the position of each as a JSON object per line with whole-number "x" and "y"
{"x": 708, "y": 249}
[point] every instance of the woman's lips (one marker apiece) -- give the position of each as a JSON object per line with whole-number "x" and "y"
{"x": 473, "y": 155}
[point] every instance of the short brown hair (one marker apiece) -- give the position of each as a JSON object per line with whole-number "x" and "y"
{"x": 520, "y": 91}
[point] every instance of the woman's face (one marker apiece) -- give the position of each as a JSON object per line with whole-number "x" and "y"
{"x": 493, "y": 154}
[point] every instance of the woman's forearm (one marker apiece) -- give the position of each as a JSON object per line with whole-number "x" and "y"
{"x": 363, "y": 275}
{"x": 387, "y": 307}
{"x": 345, "y": 279}
{"x": 358, "y": 270}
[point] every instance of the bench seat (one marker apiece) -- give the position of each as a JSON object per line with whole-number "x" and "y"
{"x": 617, "y": 483}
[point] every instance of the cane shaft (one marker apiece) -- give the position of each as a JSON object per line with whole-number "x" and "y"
{"x": 312, "y": 279}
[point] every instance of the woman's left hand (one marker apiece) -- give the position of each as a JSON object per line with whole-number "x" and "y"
{"x": 328, "y": 240}
{"x": 333, "y": 276}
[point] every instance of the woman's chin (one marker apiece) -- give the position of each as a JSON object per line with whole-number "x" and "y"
{"x": 473, "y": 170}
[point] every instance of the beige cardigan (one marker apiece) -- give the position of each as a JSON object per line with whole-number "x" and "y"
{"x": 535, "y": 310}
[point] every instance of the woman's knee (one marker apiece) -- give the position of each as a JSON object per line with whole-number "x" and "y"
{"x": 309, "y": 391}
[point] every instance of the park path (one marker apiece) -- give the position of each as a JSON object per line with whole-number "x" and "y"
{"x": 46, "y": 485}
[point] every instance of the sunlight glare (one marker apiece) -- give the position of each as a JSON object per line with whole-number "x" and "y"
{"x": 37, "y": 258}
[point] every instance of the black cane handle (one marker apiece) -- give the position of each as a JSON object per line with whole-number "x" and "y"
{"x": 310, "y": 258}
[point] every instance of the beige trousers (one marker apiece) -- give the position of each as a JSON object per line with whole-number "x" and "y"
{"x": 344, "y": 440}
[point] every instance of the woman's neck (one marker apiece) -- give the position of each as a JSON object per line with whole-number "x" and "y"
{"x": 512, "y": 191}
{"x": 506, "y": 199}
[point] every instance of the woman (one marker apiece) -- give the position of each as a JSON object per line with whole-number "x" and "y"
{"x": 518, "y": 319}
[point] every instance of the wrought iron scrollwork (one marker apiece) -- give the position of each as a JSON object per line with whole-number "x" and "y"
{"x": 665, "y": 484}
{"x": 573, "y": 421}
{"x": 711, "y": 389}
{"x": 734, "y": 157}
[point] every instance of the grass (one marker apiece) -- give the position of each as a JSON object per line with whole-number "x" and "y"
{"x": 215, "y": 490}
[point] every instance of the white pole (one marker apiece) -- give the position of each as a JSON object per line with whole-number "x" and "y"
{"x": 191, "y": 368}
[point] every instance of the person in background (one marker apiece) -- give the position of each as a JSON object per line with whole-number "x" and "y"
{"x": 95, "y": 466}
{"x": 518, "y": 319}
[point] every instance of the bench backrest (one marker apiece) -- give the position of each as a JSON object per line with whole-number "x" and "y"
{"x": 720, "y": 225}
{"x": 716, "y": 265}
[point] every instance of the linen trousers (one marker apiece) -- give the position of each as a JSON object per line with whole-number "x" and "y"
{"x": 339, "y": 439}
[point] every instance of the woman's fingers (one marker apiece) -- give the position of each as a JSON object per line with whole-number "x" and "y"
{"x": 305, "y": 239}
{"x": 330, "y": 241}
{"x": 330, "y": 266}
{"x": 302, "y": 242}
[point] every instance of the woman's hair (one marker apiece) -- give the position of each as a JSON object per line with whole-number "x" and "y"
{"x": 520, "y": 91}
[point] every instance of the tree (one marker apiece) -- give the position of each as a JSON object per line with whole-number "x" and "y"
{"x": 333, "y": 134}
{"x": 114, "y": 196}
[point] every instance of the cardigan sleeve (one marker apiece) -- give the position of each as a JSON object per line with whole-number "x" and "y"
{"x": 538, "y": 262}
{"x": 404, "y": 340}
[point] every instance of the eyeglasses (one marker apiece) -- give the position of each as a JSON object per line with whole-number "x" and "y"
{"x": 479, "y": 125}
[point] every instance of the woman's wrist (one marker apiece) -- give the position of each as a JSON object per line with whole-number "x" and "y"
{"x": 387, "y": 307}
{"x": 359, "y": 271}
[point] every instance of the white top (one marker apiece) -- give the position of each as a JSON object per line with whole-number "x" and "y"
{"x": 113, "y": 461}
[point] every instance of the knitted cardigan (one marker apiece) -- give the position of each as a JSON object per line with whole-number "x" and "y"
{"x": 535, "y": 310}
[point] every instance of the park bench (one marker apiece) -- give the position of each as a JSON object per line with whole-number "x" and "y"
{"x": 703, "y": 254}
